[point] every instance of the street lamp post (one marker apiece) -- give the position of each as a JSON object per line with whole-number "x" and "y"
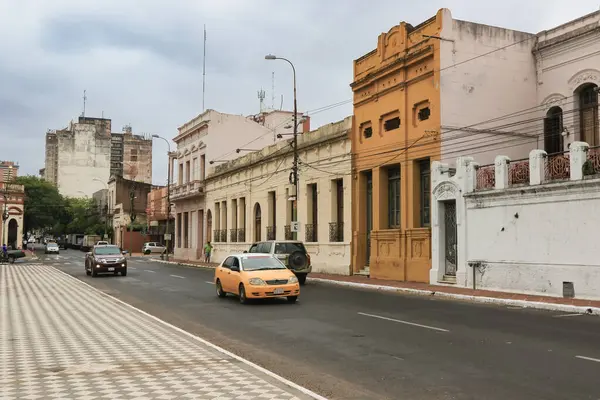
{"x": 5, "y": 216}
{"x": 168, "y": 192}
{"x": 295, "y": 165}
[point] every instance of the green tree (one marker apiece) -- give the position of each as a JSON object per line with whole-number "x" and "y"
{"x": 43, "y": 204}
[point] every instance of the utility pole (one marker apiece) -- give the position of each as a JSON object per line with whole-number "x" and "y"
{"x": 5, "y": 215}
{"x": 295, "y": 178}
{"x": 169, "y": 166}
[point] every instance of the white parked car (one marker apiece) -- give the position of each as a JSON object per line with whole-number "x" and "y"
{"x": 102, "y": 243}
{"x": 153, "y": 247}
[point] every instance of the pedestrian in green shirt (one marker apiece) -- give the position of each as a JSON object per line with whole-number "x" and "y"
{"x": 207, "y": 250}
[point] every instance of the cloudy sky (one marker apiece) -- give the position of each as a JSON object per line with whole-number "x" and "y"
{"x": 141, "y": 60}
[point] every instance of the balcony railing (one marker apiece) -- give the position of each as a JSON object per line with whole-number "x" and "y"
{"x": 311, "y": 232}
{"x": 241, "y": 235}
{"x": 270, "y": 233}
{"x": 336, "y": 231}
{"x": 190, "y": 189}
{"x": 558, "y": 166}
{"x": 220, "y": 235}
{"x": 518, "y": 172}
{"x": 486, "y": 177}
{"x": 289, "y": 235}
{"x": 592, "y": 165}
{"x": 233, "y": 235}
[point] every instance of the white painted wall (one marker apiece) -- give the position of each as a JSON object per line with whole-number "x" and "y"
{"x": 82, "y": 156}
{"x": 484, "y": 88}
{"x": 529, "y": 239}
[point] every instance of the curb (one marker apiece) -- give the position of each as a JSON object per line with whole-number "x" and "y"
{"x": 181, "y": 263}
{"x": 476, "y": 299}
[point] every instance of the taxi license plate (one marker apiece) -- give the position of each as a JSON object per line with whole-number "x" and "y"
{"x": 111, "y": 269}
{"x": 278, "y": 291}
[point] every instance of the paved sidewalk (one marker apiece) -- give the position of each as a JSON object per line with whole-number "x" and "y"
{"x": 61, "y": 338}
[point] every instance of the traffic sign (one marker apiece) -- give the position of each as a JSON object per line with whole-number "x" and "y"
{"x": 295, "y": 226}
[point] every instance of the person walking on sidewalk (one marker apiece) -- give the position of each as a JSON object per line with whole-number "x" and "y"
{"x": 207, "y": 251}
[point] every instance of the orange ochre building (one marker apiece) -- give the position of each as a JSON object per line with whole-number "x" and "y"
{"x": 395, "y": 137}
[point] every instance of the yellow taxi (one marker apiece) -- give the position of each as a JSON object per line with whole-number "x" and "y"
{"x": 256, "y": 276}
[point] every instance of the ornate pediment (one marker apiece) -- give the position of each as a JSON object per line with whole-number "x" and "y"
{"x": 445, "y": 191}
{"x": 586, "y": 76}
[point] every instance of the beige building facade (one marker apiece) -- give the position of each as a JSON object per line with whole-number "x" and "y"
{"x": 204, "y": 143}
{"x": 248, "y": 200}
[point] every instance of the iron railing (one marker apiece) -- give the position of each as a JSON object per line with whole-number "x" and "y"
{"x": 336, "y": 231}
{"x": 592, "y": 164}
{"x": 558, "y": 166}
{"x": 233, "y": 235}
{"x": 311, "y": 232}
{"x": 289, "y": 235}
{"x": 486, "y": 177}
{"x": 241, "y": 235}
{"x": 270, "y": 233}
{"x": 518, "y": 172}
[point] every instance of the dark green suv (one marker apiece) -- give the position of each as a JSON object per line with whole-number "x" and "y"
{"x": 290, "y": 252}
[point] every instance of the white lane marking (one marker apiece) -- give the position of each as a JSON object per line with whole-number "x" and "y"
{"x": 132, "y": 267}
{"x": 404, "y": 322}
{"x": 148, "y": 270}
{"x": 567, "y": 315}
{"x": 273, "y": 375}
{"x": 177, "y": 276}
{"x": 588, "y": 358}
{"x": 209, "y": 282}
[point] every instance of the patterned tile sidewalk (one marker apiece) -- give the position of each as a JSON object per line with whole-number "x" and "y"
{"x": 60, "y": 338}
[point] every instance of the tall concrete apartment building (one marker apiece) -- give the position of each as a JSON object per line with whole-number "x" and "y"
{"x": 86, "y": 152}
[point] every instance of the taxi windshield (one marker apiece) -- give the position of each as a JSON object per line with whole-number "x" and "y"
{"x": 107, "y": 251}
{"x": 261, "y": 263}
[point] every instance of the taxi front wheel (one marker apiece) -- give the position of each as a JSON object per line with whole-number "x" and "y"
{"x": 243, "y": 298}
{"x": 292, "y": 299}
{"x": 220, "y": 291}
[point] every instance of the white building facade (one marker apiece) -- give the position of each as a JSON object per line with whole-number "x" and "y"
{"x": 203, "y": 143}
{"x": 537, "y": 234}
{"x": 509, "y": 92}
{"x": 248, "y": 200}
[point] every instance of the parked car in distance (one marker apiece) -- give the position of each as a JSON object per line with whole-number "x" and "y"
{"x": 51, "y": 248}
{"x": 153, "y": 247}
{"x": 291, "y": 253}
{"x": 102, "y": 243}
{"x": 105, "y": 259}
{"x": 255, "y": 276}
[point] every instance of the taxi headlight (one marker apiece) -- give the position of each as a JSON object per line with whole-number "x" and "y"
{"x": 293, "y": 279}
{"x": 256, "y": 282}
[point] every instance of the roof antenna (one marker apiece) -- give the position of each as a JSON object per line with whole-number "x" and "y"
{"x": 273, "y": 90}
{"x": 281, "y": 106}
{"x": 84, "y": 99}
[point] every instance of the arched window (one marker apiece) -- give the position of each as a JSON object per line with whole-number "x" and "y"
{"x": 257, "y": 222}
{"x": 588, "y": 114}
{"x": 553, "y": 128}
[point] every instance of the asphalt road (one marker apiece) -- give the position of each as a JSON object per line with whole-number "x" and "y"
{"x": 357, "y": 344}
